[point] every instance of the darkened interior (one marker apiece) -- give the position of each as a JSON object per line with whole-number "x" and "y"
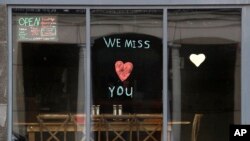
{"x": 50, "y": 74}
{"x": 145, "y": 78}
{"x": 46, "y": 73}
{"x": 208, "y": 89}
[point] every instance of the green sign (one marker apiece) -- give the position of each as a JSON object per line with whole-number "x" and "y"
{"x": 37, "y": 28}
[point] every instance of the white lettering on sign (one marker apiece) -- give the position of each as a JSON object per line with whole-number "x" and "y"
{"x": 120, "y": 90}
{"x": 240, "y": 132}
{"x": 127, "y": 43}
{"x": 112, "y": 42}
{"x": 29, "y": 21}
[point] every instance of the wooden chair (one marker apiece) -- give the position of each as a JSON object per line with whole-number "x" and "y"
{"x": 196, "y": 126}
{"x": 52, "y": 124}
{"x": 119, "y": 126}
{"x": 149, "y": 125}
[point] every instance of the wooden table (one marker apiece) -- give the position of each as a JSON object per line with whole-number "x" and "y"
{"x": 105, "y": 123}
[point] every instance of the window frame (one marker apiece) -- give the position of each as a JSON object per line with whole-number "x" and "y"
{"x": 245, "y": 64}
{"x": 128, "y": 2}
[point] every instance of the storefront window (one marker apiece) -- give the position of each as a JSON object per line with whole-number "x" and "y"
{"x": 48, "y": 73}
{"x": 126, "y": 56}
{"x": 204, "y": 73}
{"x": 126, "y": 74}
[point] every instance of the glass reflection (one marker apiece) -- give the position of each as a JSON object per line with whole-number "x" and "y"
{"x": 204, "y": 73}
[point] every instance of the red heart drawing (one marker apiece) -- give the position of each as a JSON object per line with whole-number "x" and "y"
{"x": 123, "y": 70}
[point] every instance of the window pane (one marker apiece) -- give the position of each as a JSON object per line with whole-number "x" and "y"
{"x": 48, "y": 73}
{"x": 126, "y": 74}
{"x": 204, "y": 73}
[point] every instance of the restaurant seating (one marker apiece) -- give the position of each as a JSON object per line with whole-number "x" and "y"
{"x": 104, "y": 127}
{"x": 57, "y": 122}
{"x": 156, "y": 121}
{"x": 196, "y": 126}
{"x": 78, "y": 121}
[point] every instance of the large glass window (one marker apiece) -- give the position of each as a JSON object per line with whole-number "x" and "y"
{"x": 127, "y": 74}
{"x": 48, "y": 73}
{"x": 126, "y": 57}
{"x": 204, "y": 73}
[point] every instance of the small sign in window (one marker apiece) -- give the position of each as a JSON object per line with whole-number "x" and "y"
{"x": 37, "y": 28}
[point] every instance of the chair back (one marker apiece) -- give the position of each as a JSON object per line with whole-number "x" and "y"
{"x": 53, "y": 124}
{"x": 196, "y": 126}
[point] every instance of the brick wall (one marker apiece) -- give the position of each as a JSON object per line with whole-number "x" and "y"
{"x": 3, "y": 65}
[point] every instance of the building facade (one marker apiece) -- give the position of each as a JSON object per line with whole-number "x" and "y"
{"x": 3, "y": 69}
{"x": 123, "y": 70}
